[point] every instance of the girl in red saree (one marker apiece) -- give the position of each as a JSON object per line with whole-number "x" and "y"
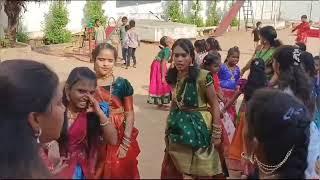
{"x": 120, "y": 160}
{"x": 85, "y": 128}
{"x": 303, "y": 29}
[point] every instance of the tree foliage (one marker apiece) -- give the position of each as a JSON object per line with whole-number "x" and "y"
{"x": 213, "y": 17}
{"x": 92, "y": 11}
{"x": 56, "y": 20}
{"x": 195, "y": 17}
{"x": 174, "y": 11}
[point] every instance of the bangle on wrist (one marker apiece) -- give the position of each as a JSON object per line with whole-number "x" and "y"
{"x": 105, "y": 123}
{"x": 123, "y": 147}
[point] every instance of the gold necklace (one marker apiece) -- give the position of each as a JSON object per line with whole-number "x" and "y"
{"x": 71, "y": 117}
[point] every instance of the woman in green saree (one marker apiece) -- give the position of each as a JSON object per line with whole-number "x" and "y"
{"x": 193, "y": 131}
{"x": 269, "y": 43}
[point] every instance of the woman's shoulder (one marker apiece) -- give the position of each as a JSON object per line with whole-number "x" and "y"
{"x": 119, "y": 81}
{"x": 123, "y": 86}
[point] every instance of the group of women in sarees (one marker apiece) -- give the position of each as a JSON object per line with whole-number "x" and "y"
{"x": 85, "y": 129}
{"x": 98, "y": 138}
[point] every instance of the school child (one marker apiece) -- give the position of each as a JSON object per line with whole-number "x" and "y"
{"x": 133, "y": 43}
{"x": 229, "y": 76}
{"x": 255, "y": 33}
{"x": 123, "y": 34}
{"x": 201, "y": 52}
{"x": 99, "y": 31}
{"x": 303, "y": 29}
{"x": 159, "y": 90}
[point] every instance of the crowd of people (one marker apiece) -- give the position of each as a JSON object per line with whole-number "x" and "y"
{"x": 85, "y": 128}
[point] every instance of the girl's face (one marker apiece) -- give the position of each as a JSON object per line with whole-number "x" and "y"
{"x": 215, "y": 67}
{"x": 78, "y": 94}
{"x": 181, "y": 58}
{"x": 317, "y": 65}
{"x": 233, "y": 59}
{"x": 98, "y": 23}
{"x": 51, "y": 122}
{"x": 104, "y": 62}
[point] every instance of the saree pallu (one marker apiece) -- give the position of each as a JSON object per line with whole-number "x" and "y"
{"x": 111, "y": 166}
{"x": 228, "y": 94}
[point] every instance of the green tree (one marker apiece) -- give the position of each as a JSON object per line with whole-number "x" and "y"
{"x": 195, "y": 17}
{"x": 56, "y": 20}
{"x": 174, "y": 11}
{"x": 213, "y": 17}
{"x": 92, "y": 11}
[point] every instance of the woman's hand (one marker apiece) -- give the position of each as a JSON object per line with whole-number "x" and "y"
{"x": 122, "y": 153}
{"x": 95, "y": 107}
{"x": 216, "y": 141}
{"x": 60, "y": 166}
{"x": 53, "y": 152}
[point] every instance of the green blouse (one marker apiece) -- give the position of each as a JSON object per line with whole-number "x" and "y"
{"x": 165, "y": 53}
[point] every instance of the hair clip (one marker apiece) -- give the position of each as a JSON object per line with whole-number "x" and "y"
{"x": 292, "y": 111}
{"x": 296, "y": 56}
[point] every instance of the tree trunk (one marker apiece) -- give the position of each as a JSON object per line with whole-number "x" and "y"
{"x": 13, "y": 9}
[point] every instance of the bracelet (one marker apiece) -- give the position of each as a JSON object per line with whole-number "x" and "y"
{"x": 105, "y": 123}
{"x": 126, "y": 139}
{"x": 247, "y": 158}
{"x": 126, "y": 143}
{"x": 123, "y": 147}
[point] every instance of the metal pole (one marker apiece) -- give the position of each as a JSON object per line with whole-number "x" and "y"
{"x": 262, "y": 9}
{"x": 279, "y": 11}
{"x": 310, "y": 13}
{"x": 272, "y": 10}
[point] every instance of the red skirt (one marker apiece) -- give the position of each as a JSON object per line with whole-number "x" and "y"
{"x": 228, "y": 94}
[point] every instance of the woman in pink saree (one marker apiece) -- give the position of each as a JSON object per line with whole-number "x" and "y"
{"x": 87, "y": 127}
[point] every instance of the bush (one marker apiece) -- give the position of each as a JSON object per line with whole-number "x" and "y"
{"x": 22, "y": 37}
{"x": 235, "y": 22}
{"x": 55, "y": 24}
{"x": 174, "y": 11}
{"x": 4, "y": 42}
{"x": 213, "y": 18}
{"x": 92, "y": 11}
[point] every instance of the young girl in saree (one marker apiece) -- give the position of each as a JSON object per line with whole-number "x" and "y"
{"x": 118, "y": 160}
{"x": 159, "y": 90}
{"x": 229, "y": 76}
{"x": 256, "y": 79}
{"x": 193, "y": 130}
{"x": 86, "y": 126}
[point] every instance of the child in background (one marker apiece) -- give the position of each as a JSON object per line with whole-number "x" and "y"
{"x": 100, "y": 34}
{"x": 133, "y": 43}
{"x": 201, "y": 52}
{"x": 229, "y": 76}
{"x": 123, "y": 34}
{"x": 124, "y": 44}
{"x": 213, "y": 46}
{"x": 256, "y": 79}
{"x": 159, "y": 90}
{"x": 303, "y": 29}
{"x": 212, "y": 63}
{"x": 255, "y": 33}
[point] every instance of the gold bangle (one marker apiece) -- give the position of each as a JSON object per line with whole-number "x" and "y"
{"x": 126, "y": 143}
{"x": 105, "y": 123}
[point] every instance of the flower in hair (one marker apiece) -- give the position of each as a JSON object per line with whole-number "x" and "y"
{"x": 292, "y": 111}
{"x": 296, "y": 56}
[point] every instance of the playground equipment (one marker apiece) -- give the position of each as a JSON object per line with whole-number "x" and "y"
{"x": 227, "y": 19}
